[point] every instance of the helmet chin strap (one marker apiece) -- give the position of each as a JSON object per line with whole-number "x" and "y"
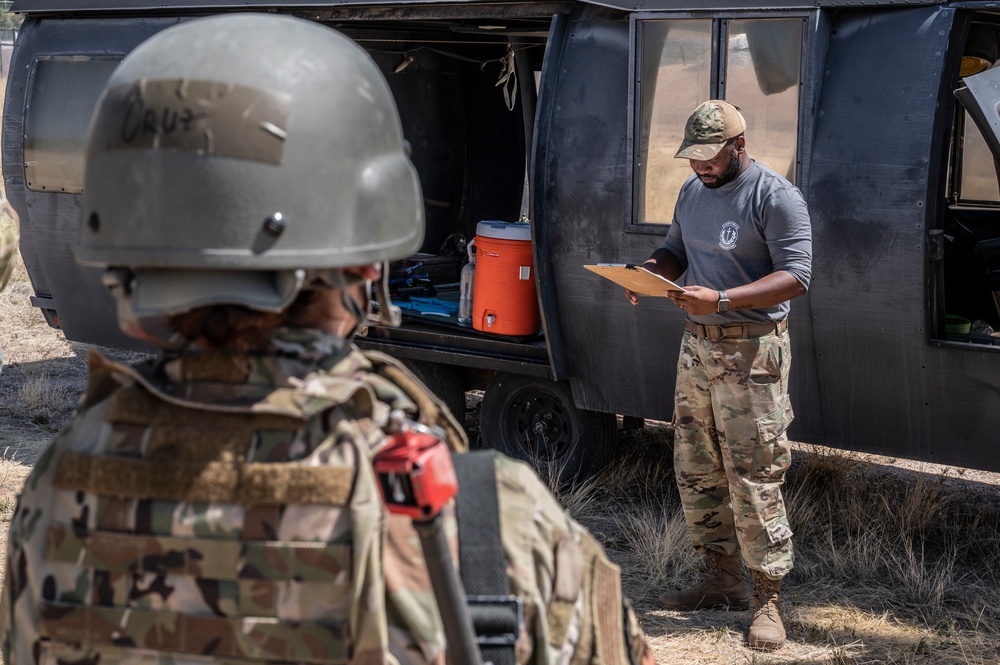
{"x": 155, "y": 329}
{"x": 388, "y": 314}
{"x": 351, "y": 305}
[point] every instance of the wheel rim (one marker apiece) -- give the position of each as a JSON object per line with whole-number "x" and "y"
{"x": 540, "y": 425}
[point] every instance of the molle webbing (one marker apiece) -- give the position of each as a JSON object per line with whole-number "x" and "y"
{"x": 138, "y": 406}
{"x": 567, "y": 584}
{"x": 205, "y": 558}
{"x": 206, "y": 636}
{"x": 230, "y": 482}
{"x": 235, "y": 531}
{"x": 173, "y": 453}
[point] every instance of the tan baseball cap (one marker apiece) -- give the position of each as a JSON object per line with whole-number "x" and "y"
{"x": 712, "y": 124}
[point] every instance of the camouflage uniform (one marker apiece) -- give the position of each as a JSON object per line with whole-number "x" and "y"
{"x": 8, "y": 241}
{"x": 220, "y": 506}
{"x": 730, "y": 447}
{"x": 8, "y": 248}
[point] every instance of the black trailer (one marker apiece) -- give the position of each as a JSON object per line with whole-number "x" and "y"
{"x": 568, "y": 114}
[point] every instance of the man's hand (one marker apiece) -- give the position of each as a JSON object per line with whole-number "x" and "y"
{"x": 632, "y": 298}
{"x": 696, "y": 300}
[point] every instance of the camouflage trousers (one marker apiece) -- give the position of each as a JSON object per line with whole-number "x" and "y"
{"x": 730, "y": 447}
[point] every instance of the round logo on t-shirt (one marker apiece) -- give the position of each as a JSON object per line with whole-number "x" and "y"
{"x": 729, "y": 235}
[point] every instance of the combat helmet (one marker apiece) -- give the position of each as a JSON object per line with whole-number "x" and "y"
{"x": 238, "y": 159}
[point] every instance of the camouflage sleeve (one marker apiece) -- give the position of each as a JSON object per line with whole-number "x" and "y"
{"x": 18, "y": 607}
{"x": 416, "y": 632}
{"x": 6, "y": 606}
{"x": 9, "y": 234}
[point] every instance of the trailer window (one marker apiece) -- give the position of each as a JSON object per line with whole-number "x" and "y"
{"x": 977, "y": 172}
{"x": 676, "y": 62}
{"x": 62, "y": 94}
{"x": 758, "y": 63}
{"x": 762, "y": 76}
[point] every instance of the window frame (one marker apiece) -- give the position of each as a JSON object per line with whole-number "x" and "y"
{"x": 29, "y": 119}
{"x": 957, "y": 163}
{"x": 720, "y": 24}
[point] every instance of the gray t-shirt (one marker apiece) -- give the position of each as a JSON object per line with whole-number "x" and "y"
{"x": 740, "y": 232}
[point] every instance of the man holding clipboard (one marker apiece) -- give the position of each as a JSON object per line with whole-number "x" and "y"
{"x": 741, "y": 239}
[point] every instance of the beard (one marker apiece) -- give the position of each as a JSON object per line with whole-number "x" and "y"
{"x": 732, "y": 170}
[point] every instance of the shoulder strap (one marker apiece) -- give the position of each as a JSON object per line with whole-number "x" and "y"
{"x": 496, "y": 615}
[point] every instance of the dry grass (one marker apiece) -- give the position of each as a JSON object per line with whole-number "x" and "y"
{"x": 894, "y": 566}
{"x": 896, "y": 562}
{"x": 39, "y": 385}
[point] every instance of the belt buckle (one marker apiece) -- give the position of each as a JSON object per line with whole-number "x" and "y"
{"x": 491, "y": 631}
{"x": 721, "y": 331}
{"x": 735, "y": 330}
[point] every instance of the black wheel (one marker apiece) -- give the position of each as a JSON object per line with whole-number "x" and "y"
{"x": 535, "y": 420}
{"x": 445, "y": 382}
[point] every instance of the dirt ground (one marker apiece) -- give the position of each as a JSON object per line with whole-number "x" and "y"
{"x": 44, "y": 376}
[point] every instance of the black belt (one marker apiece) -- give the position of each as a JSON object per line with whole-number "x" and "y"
{"x": 746, "y": 330}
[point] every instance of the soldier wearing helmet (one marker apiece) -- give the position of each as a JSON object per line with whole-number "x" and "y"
{"x": 246, "y": 185}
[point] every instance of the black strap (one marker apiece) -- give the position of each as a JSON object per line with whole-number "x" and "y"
{"x": 496, "y": 615}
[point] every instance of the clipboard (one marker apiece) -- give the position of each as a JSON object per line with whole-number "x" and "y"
{"x": 635, "y": 278}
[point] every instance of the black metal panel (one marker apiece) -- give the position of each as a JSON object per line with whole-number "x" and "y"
{"x": 50, "y": 220}
{"x": 804, "y": 384}
{"x": 884, "y": 387}
{"x": 37, "y": 6}
{"x": 620, "y": 358}
{"x": 695, "y": 5}
{"x": 548, "y": 295}
{"x": 461, "y": 348}
{"x": 63, "y": 6}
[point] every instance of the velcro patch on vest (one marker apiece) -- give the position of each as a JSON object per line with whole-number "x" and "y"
{"x": 138, "y": 406}
{"x": 566, "y": 591}
{"x": 207, "y": 636}
{"x": 609, "y": 623}
{"x": 199, "y": 557}
{"x": 204, "y": 482}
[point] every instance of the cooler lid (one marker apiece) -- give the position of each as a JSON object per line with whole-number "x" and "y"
{"x": 504, "y": 230}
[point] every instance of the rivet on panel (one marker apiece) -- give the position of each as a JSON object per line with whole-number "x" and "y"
{"x": 275, "y": 224}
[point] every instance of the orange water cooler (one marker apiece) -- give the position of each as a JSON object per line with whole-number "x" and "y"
{"x": 504, "y": 301}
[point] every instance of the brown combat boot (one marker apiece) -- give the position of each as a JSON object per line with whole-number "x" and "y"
{"x": 766, "y": 630}
{"x": 723, "y": 587}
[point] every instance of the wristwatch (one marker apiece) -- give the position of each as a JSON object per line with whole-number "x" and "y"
{"x": 723, "y": 302}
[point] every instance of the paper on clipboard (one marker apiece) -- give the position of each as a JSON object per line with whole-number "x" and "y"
{"x": 635, "y": 278}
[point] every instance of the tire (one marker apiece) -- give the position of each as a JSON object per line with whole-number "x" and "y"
{"x": 536, "y": 420}
{"x": 445, "y": 382}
